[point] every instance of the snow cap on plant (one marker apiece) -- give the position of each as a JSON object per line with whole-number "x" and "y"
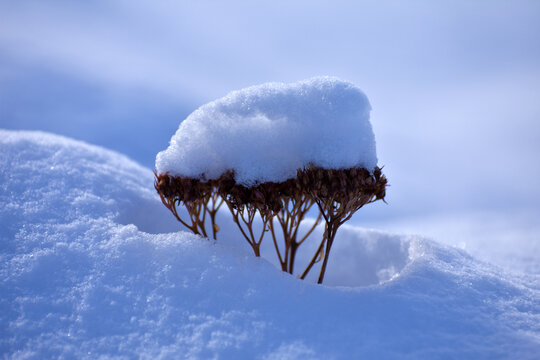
{"x": 275, "y": 150}
{"x": 267, "y": 132}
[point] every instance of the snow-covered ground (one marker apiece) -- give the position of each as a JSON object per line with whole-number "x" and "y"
{"x": 93, "y": 265}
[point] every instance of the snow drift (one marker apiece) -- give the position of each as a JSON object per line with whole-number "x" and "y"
{"x": 82, "y": 276}
{"x": 267, "y": 132}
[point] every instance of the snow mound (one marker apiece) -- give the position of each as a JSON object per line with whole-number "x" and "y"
{"x": 267, "y": 132}
{"x": 51, "y": 177}
{"x": 79, "y": 280}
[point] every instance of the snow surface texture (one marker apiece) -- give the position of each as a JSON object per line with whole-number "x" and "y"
{"x": 267, "y": 132}
{"x": 79, "y": 278}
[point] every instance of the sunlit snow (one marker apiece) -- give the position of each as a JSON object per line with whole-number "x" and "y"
{"x": 92, "y": 265}
{"x": 267, "y": 132}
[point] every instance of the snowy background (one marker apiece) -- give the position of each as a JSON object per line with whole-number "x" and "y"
{"x": 454, "y": 89}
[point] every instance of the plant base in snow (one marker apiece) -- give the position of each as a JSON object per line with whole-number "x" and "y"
{"x": 338, "y": 194}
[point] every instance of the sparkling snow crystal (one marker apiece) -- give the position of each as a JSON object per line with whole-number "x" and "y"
{"x": 267, "y": 132}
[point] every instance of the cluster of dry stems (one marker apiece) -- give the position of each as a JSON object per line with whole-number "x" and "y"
{"x": 338, "y": 194}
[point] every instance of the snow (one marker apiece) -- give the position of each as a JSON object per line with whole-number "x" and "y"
{"x": 267, "y": 132}
{"x": 91, "y": 266}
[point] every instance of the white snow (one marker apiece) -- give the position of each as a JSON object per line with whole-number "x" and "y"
{"x": 267, "y": 132}
{"x": 80, "y": 278}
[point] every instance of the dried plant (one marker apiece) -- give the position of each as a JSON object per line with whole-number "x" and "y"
{"x": 294, "y": 207}
{"x": 337, "y": 193}
{"x": 200, "y": 198}
{"x": 244, "y": 203}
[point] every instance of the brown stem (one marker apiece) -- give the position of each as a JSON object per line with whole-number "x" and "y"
{"x": 315, "y": 259}
{"x": 172, "y": 207}
{"x": 286, "y": 238}
{"x": 239, "y": 214}
{"x": 197, "y": 216}
{"x": 317, "y": 221}
{"x": 330, "y": 235}
{"x": 237, "y": 222}
{"x": 213, "y": 211}
{"x": 294, "y": 247}
{"x": 283, "y": 264}
{"x": 213, "y": 224}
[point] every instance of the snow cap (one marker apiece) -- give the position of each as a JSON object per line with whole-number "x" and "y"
{"x": 267, "y": 132}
